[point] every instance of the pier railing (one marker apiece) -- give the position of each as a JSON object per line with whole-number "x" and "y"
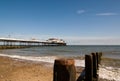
{"x": 64, "y": 69}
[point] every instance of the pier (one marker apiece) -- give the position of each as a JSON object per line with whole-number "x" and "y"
{"x": 22, "y": 43}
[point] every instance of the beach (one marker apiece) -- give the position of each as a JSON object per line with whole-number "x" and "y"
{"x": 14, "y": 70}
{"x": 36, "y": 64}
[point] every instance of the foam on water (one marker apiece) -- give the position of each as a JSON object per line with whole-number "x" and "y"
{"x": 109, "y": 73}
{"x": 80, "y": 63}
{"x": 49, "y": 59}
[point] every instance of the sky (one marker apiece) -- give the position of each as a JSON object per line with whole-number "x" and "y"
{"x": 78, "y": 22}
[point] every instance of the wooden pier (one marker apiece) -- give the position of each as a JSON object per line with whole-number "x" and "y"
{"x": 21, "y": 43}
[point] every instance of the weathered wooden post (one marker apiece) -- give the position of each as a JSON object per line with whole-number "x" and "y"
{"x": 64, "y": 70}
{"x": 88, "y": 68}
{"x": 94, "y": 66}
{"x": 98, "y": 60}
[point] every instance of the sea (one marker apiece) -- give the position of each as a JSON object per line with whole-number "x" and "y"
{"x": 109, "y": 68}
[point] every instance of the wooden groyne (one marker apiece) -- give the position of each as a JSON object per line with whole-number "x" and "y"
{"x": 64, "y": 69}
{"x": 9, "y": 43}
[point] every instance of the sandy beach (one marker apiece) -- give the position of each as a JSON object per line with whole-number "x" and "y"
{"x": 14, "y": 70}
{"x": 23, "y": 70}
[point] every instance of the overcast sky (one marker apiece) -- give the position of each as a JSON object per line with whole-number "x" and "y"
{"x": 75, "y": 21}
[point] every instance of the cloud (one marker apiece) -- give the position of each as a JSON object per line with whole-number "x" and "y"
{"x": 80, "y": 11}
{"x": 106, "y": 14}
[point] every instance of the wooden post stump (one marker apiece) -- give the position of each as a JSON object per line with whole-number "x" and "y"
{"x": 98, "y": 60}
{"x": 88, "y": 68}
{"x": 64, "y": 70}
{"x": 94, "y": 65}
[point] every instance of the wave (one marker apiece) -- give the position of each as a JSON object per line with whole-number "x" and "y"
{"x": 49, "y": 59}
{"x": 110, "y": 73}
